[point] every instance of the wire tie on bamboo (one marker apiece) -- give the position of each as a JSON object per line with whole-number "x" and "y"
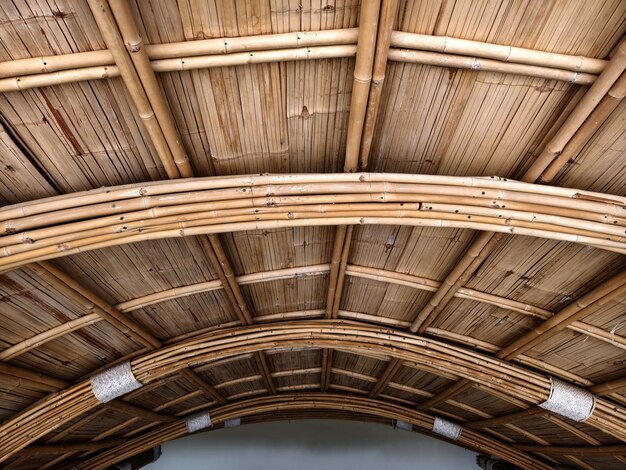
{"x": 198, "y": 421}
{"x": 232, "y": 423}
{"x": 114, "y": 382}
{"x": 447, "y": 428}
{"x": 569, "y": 401}
{"x": 403, "y": 425}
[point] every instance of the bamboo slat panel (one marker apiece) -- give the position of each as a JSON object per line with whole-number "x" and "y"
{"x": 493, "y": 122}
{"x": 535, "y": 25}
{"x": 358, "y": 363}
{"x": 186, "y": 314}
{"x": 287, "y": 360}
{"x": 123, "y": 273}
{"x": 287, "y": 295}
{"x": 421, "y": 251}
{"x": 544, "y": 273}
{"x": 267, "y": 250}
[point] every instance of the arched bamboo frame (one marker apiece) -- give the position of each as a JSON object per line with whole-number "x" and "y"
{"x": 528, "y": 386}
{"x": 68, "y": 224}
{"x": 303, "y": 402}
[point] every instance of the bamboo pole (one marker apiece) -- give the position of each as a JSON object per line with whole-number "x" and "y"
{"x": 37, "y": 379}
{"x": 106, "y": 24}
{"x": 580, "y": 114}
{"x": 128, "y": 408}
{"x": 506, "y": 378}
{"x": 479, "y": 64}
{"x": 502, "y": 53}
{"x": 387, "y": 17}
{"x": 607, "y": 450}
{"x": 595, "y": 120}
{"x": 177, "y": 50}
{"x": 612, "y": 386}
{"x": 134, "y": 45}
{"x": 366, "y": 45}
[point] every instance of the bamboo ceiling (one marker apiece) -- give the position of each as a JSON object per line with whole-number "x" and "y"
{"x": 385, "y": 210}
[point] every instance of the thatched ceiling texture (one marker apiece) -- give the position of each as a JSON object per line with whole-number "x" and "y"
{"x": 279, "y": 209}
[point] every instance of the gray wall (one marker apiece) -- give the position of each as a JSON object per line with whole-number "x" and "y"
{"x": 314, "y": 445}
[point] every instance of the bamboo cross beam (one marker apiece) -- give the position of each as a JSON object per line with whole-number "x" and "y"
{"x": 392, "y": 367}
{"x": 129, "y": 408}
{"x": 609, "y": 387}
{"x": 34, "y": 379}
{"x": 605, "y": 450}
{"x": 387, "y": 17}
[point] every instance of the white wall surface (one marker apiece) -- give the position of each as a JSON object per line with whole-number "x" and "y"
{"x": 313, "y": 445}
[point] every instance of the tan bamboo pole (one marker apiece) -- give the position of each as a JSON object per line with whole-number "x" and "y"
{"x": 507, "y": 54}
{"x": 173, "y": 64}
{"x": 612, "y": 386}
{"x": 217, "y": 46}
{"x": 106, "y": 24}
{"x": 387, "y": 17}
{"x": 61, "y": 281}
{"x": 73, "y": 447}
{"x": 135, "y": 47}
{"x": 525, "y": 384}
{"x": 487, "y": 65}
{"x": 579, "y": 115}
{"x": 608, "y": 291}
{"x": 366, "y": 45}
{"x": 598, "y": 117}
{"x": 605, "y": 450}
{"x": 139, "y": 412}
{"x": 528, "y": 413}
{"x": 35, "y": 379}
{"x": 306, "y": 403}
{"x": 392, "y": 367}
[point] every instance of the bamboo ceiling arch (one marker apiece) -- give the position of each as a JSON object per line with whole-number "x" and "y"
{"x": 513, "y": 380}
{"x": 304, "y": 402}
{"x": 68, "y": 224}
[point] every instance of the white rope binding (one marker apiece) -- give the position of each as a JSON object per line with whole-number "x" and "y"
{"x": 114, "y": 382}
{"x": 403, "y": 425}
{"x": 446, "y": 428}
{"x": 569, "y": 401}
{"x": 198, "y": 421}
{"x": 232, "y": 423}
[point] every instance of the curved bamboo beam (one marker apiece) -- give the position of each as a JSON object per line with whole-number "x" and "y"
{"x": 56, "y": 227}
{"x": 306, "y": 402}
{"x": 509, "y": 379}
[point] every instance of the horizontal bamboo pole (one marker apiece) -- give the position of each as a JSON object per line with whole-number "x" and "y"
{"x": 612, "y": 386}
{"x": 608, "y": 450}
{"x": 73, "y": 447}
{"x": 502, "y": 53}
{"x": 177, "y": 64}
{"x": 488, "y": 65}
{"x": 307, "y": 402}
{"x": 217, "y": 46}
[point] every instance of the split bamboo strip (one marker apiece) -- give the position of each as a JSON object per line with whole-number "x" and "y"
{"x": 325, "y": 402}
{"x": 366, "y": 45}
{"x": 580, "y": 114}
{"x": 387, "y": 17}
{"x": 597, "y": 117}
{"x": 110, "y": 34}
{"x": 491, "y": 373}
{"x": 510, "y": 54}
{"x": 134, "y": 45}
{"x": 487, "y": 65}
